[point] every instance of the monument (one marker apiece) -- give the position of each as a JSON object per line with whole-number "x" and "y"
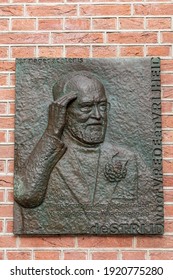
{"x": 88, "y": 147}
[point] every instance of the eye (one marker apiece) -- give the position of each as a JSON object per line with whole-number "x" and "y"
{"x": 103, "y": 106}
{"x": 86, "y": 108}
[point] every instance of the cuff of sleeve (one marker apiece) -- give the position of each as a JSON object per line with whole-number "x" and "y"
{"x": 55, "y": 140}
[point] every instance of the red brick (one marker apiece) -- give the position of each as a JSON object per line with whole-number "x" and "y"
{"x": 3, "y": 52}
{"x": 167, "y": 79}
{"x": 7, "y": 66}
{"x": 167, "y": 37}
{"x": 53, "y": 10}
{"x": 47, "y": 242}
{"x": 153, "y": 9}
{"x": 3, "y": 136}
{"x": 10, "y": 197}
{"x": 7, "y": 94}
{"x": 6, "y": 181}
{"x": 74, "y": 1}
{"x": 23, "y": 52}
{"x": 12, "y": 104}
{"x": 101, "y": 242}
{"x": 4, "y": 24}
{"x": 8, "y": 10}
{"x": 12, "y": 81}
{"x": 6, "y": 122}
{"x": 50, "y": 24}
{"x": 1, "y": 227}
{"x": 117, "y": 0}
{"x": 10, "y": 166}
{"x": 46, "y": 255}
{"x": 3, "y": 106}
{"x": 3, "y": 81}
{"x": 159, "y": 23}
{"x": 167, "y": 107}
{"x": 159, "y": 50}
{"x": 24, "y": 1}
{"x": 50, "y": 51}
{"x": 158, "y": 0}
{"x": 104, "y": 51}
{"x": 167, "y": 121}
{"x": 1, "y": 255}
{"x": 167, "y": 166}
{"x": 105, "y": 23}
{"x": 166, "y": 64}
{"x": 104, "y": 10}
{"x": 52, "y": 1}
{"x": 6, "y": 211}
{"x": 167, "y": 136}
{"x": 70, "y": 38}
{"x": 104, "y": 255}
{"x": 154, "y": 242}
{"x": 131, "y": 23}
{"x": 19, "y": 38}
{"x": 133, "y": 255}
{"x": 2, "y": 168}
{"x": 11, "y": 136}
{"x": 168, "y": 196}
{"x": 77, "y": 24}
{"x": 161, "y": 255}
{"x": 2, "y": 195}
{"x": 9, "y": 226}
{"x": 167, "y": 92}
{"x": 18, "y": 255}
{"x": 23, "y": 24}
{"x": 168, "y": 151}
{"x": 132, "y": 51}
{"x": 77, "y": 51}
{"x": 168, "y": 210}
{"x": 168, "y": 181}
{"x": 75, "y": 255}
{"x": 168, "y": 226}
{"x": 7, "y": 151}
{"x": 132, "y": 37}
{"x": 7, "y": 241}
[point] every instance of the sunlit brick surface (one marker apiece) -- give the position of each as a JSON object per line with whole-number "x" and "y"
{"x": 86, "y": 28}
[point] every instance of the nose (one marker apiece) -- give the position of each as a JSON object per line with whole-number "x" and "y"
{"x": 96, "y": 113}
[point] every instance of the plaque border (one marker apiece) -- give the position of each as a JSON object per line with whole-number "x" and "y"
{"x": 156, "y": 228}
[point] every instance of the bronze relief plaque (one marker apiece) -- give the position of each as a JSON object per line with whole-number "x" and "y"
{"x": 88, "y": 154}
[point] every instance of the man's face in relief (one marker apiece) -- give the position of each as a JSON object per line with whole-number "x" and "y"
{"x": 87, "y": 115}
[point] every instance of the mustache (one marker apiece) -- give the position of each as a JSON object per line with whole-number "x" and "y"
{"x": 95, "y": 123}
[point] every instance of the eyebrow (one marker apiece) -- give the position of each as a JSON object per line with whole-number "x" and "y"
{"x": 86, "y": 103}
{"x": 91, "y": 102}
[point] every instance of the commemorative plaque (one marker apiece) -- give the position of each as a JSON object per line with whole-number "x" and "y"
{"x": 88, "y": 156}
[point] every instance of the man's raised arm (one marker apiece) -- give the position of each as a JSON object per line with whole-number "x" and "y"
{"x": 32, "y": 179}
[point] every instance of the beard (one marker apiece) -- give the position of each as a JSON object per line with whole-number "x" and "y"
{"x": 87, "y": 133}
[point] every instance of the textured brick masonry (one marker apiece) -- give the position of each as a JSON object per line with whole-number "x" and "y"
{"x": 86, "y": 28}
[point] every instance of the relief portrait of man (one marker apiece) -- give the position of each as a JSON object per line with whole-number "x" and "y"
{"x": 74, "y": 178}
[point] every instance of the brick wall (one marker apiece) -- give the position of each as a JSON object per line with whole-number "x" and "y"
{"x": 83, "y": 28}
